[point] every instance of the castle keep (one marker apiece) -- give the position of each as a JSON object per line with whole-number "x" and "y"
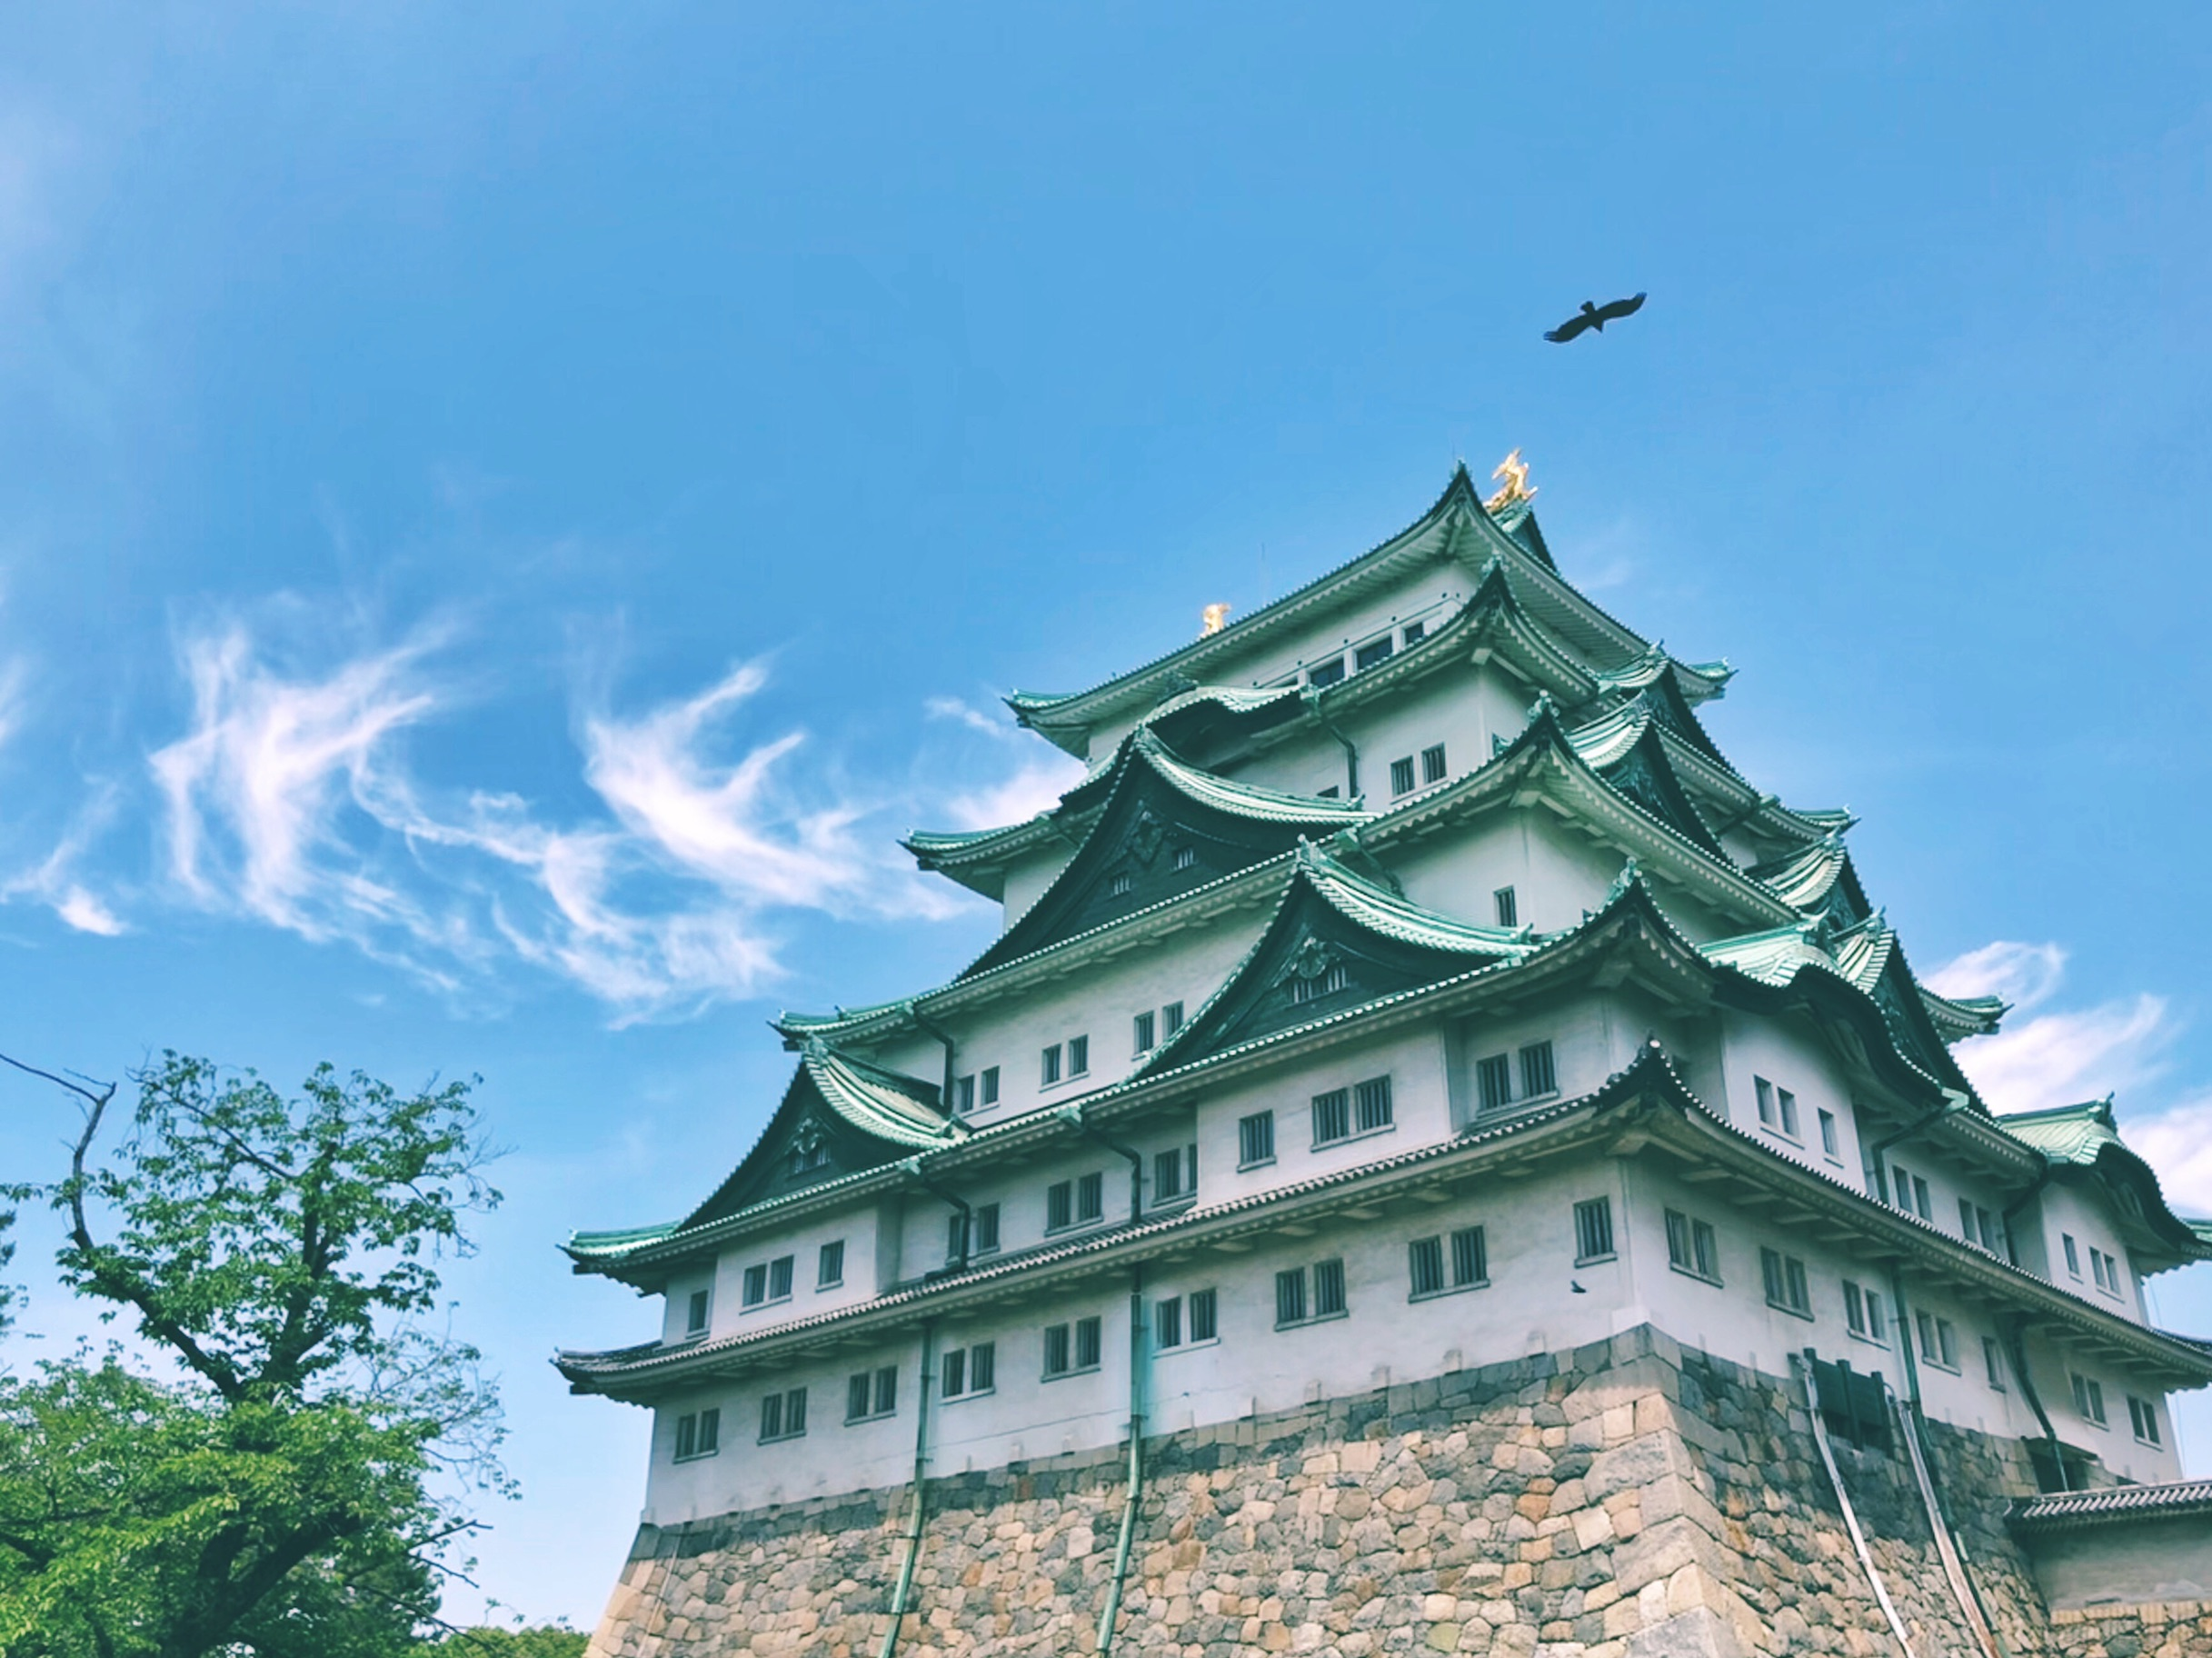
{"x": 1435, "y": 1160}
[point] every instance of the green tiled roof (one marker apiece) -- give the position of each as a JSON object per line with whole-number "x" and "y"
{"x": 1362, "y": 901}
{"x": 2066, "y": 1133}
{"x": 879, "y": 1102}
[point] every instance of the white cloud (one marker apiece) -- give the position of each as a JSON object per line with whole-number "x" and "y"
{"x": 293, "y": 799}
{"x": 1037, "y": 783}
{"x": 2057, "y": 1058}
{"x": 2178, "y": 1143}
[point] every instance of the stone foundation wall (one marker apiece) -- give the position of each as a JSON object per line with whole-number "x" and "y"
{"x": 1624, "y": 1501}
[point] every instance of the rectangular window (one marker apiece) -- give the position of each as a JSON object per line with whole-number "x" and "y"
{"x": 1327, "y": 983}
{"x": 956, "y": 1234}
{"x": 1829, "y": 1144}
{"x": 1167, "y": 1322}
{"x": 1290, "y": 1297}
{"x": 1203, "y": 1325}
{"x": 698, "y": 1434}
{"x": 1939, "y": 1342}
{"x": 991, "y": 1085}
{"x": 1327, "y": 1288}
{"x": 1047, "y": 1066}
{"x": 1069, "y": 1348}
{"x": 757, "y": 1284}
{"x": 1966, "y": 1219}
{"x": 1947, "y": 1344}
{"x": 955, "y": 1371}
{"x": 1993, "y": 1362}
{"x": 1171, "y": 1018}
{"x": 1494, "y": 1082}
{"x": 1087, "y": 1344}
{"x": 1594, "y": 1230}
{"x": 860, "y": 1397}
{"x": 2143, "y": 1417}
{"x": 1432, "y": 764}
{"x": 1121, "y": 885}
{"x": 830, "y": 1265}
{"x": 783, "y": 1415}
{"x": 1425, "y": 1265}
{"x": 1372, "y": 652}
{"x": 982, "y": 1367}
{"x": 1508, "y": 907}
{"x": 1059, "y": 1205}
{"x": 1693, "y": 1247}
{"x": 1788, "y": 1102}
{"x": 1854, "y": 1308}
{"x": 1326, "y": 673}
{"x": 1144, "y": 1025}
{"x": 780, "y": 1277}
{"x": 1402, "y": 776}
{"x": 1089, "y": 1199}
{"x": 1470, "y": 1263}
{"x": 1769, "y": 1117}
{"x": 1331, "y": 1116}
{"x": 1921, "y": 1201}
{"x": 1256, "y": 1139}
{"x": 1372, "y": 1105}
{"x": 1056, "y": 1350}
{"x": 1415, "y": 632}
{"x": 963, "y": 1095}
{"x": 2089, "y": 1399}
{"x": 1784, "y": 1279}
{"x": 1186, "y": 857}
{"x": 1992, "y": 1233}
{"x": 2073, "y": 1260}
{"x": 695, "y": 1313}
{"x": 986, "y": 1228}
{"x": 1079, "y": 1056}
{"x": 1537, "y": 1077}
{"x": 1166, "y": 1175}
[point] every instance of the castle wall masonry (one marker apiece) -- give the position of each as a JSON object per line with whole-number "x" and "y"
{"x": 1628, "y": 1500}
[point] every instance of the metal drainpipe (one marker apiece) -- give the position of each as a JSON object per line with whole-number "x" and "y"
{"x": 921, "y": 1474}
{"x": 1073, "y": 1116}
{"x": 966, "y": 1226}
{"x": 1879, "y": 1157}
{"x": 2026, "y": 1198}
{"x": 945, "y": 1100}
{"x": 1312, "y": 699}
{"x": 2016, "y": 1348}
{"x": 1139, "y": 1348}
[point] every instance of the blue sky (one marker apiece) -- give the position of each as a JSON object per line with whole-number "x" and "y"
{"x": 504, "y": 512}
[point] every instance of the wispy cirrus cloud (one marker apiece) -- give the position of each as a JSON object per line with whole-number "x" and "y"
{"x": 1037, "y": 782}
{"x": 293, "y": 799}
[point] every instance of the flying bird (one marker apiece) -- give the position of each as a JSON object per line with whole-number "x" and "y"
{"x": 1594, "y": 316}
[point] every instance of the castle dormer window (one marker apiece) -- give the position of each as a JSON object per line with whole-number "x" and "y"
{"x": 1122, "y": 885}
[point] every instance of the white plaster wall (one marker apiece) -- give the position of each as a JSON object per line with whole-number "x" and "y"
{"x": 1028, "y": 877}
{"x": 1790, "y": 1053}
{"x": 2074, "y": 1206}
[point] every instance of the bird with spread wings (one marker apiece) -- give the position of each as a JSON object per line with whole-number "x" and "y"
{"x": 1594, "y": 316}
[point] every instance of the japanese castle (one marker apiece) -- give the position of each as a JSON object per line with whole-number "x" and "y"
{"x": 1411, "y": 984}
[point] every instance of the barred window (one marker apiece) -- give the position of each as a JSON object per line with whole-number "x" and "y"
{"x": 1256, "y": 1139}
{"x": 1372, "y": 1100}
{"x": 1432, "y": 764}
{"x": 783, "y": 1415}
{"x": 1402, "y": 776}
{"x": 1425, "y": 1260}
{"x": 1594, "y": 1230}
{"x": 1167, "y": 1322}
{"x": 1372, "y": 652}
{"x": 1691, "y": 1246}
{"x": 1537, "y": 1076}
{"x": 1090, "y": 1198}
{"x": 779, "y": 1278}
{"x": 698, "y": 1433}
{"x": 1327, "y": 1288}
{"x": 986, "y": 1228}
{"x": 1494, "y": 1082}
{"x": 1203, "y": 1307}
{"x": 1783, "y": 1277}
{"x": 695, "y": 1313}
{"x": 1331, "y": 1116}
{"x": 1470, "y": 1258}
{"x": 1290, "y": 1297}
{"x": 1508, "y": 907}
{"x": 1142, "y": 1029}
{"x": 1079, "y": 1056}
{"x": 1172, "y": 1018}
{"x": 2143, "y": 1417}
{"x": 830, "y": 1265}
{"x": 991, "y": 1085}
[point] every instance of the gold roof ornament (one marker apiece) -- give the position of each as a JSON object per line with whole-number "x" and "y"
{"x": 1212, "y": 619}
{"x": 1514, "y": 472}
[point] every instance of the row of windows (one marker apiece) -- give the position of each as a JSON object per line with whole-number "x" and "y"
{"x": 1124, "y": 880}
{"x": 1339, "y": 1115}
{"x": 2105, "y": 1268}
{"x": 766, "y": 1282}
{"x": 1432, "y": 770}
{"x": 1373, "y": 654}
{"x": 1077, "y": 1050}
{"x": 1494, "y": 1076}
{"x": 1150, "y": 1030}
{"x": 1978, "y": 1226}
{"x": 1777, "y": 1111}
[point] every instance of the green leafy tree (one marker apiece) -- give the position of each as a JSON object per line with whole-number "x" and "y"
{"x": 273, "y": 1495}
{"x": 492, "y": 1640}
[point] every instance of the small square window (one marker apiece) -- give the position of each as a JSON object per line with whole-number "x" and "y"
{"x": 1203, "y": 1324}
{"x": 1402, "y": 776}
{"x": 1375, "y": 650}
{"x": 1416, "y": 632}
{"x": 986, "y": 1228}
{"x": 1047, "y": 1066}
{"x": 830, "y": 1265}
{"x": 1536, "y": 1075}
{"x": 1079, "y": 1056}
{"x": 1508, "y": 907}
{"x": 1494, "y": 1082}
{"x": 1186, "y": 857}
{"x": 1594, "y": 1230}
{"x": 695, "y": 1313}
{"x": 991, "y": 1085}
{"x": 1256, "y": 1139}
{"x": 1122, "y": 886}
{"x": 1171, "y": 1018}
{"x": 1142, "y": 1028}
{"x": 1432, "y": 764}
{"x": 1326, "y": 673}
{"x": 1331, "y": 1116}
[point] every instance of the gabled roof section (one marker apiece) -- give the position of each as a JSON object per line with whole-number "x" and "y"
{"x": 1624, "y": 748}
{"x": 1696, "y": 682}
{"x": 1819, "y": 882}
{"x": 2087, "y": 1137}
{"x": 1457, "y": 528}
{"x": 1164, "y": 829}
{"x": 1336, "y": 941}
{"x": 839, "y": 1115}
